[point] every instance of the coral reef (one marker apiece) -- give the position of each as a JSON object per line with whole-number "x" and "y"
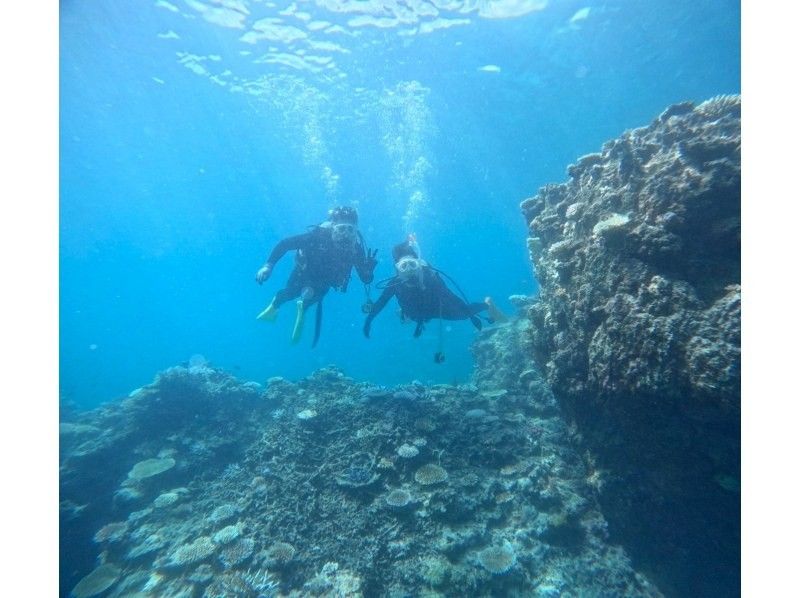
{"x": 637, "y": 330}
{"x": 496, "y": 503}
{"x": 599, "y": 437}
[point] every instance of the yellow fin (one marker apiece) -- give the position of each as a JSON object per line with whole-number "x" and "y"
{"x": 298, "y": 323}
{"x": 269, "y": 314}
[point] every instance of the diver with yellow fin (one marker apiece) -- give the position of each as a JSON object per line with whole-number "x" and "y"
{"x": 423, "y": 294}
{"x": 325, "y": 257}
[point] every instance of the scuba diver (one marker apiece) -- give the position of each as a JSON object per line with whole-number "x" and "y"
{"x": 325, "y": 257}
{"x": 424, "y": 295}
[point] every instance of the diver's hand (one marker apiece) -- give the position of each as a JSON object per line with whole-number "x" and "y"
{"x": 263, "y": 273}
{"x": 367, "y": 326}
{"x": 371, "y": 261}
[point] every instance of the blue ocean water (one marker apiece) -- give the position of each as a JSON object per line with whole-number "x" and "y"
{"x": 195, "y": 135}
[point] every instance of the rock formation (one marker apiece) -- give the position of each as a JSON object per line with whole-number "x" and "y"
{"x": 637, "y": 330}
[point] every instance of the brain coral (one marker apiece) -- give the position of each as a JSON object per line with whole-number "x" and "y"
{"x": 113, "y": 532}
{"x": 166, "y": 499}
{"x": 430, "y": 474}
{"x": 237, "y": 552}
{"x": 227, "y": 534}
{"x": 470, "y": 479}
{"x": 497, "y": 559}
{"x": 407, "y": 451}
{"x": 97, "y": 581}
{"x": 187, "y": 554}
{"x": 223, "y": 512}
{"x": 150, "y": 467}
{"x": 281, "y": 552}
{"x": 398, "y": 498}
{"x": 151, "y": 543}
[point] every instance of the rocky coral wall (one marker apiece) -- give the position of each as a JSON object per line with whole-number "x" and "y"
{"x": 637, "y": 330}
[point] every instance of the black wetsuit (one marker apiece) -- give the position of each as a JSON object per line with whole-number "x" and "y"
{"x": 423, "y": 302}
{"x": 320, "y": 263}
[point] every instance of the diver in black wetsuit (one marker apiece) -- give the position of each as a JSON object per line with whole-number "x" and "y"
{"x": 423, "y": 295}
{"x": 325, "y": 257}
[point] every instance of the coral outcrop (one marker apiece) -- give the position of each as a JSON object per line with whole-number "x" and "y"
{"x": 638, "y": 259}
{"x": 188, "y": 419}
{"x": 637, "y": 330}
{"x": 498, "y": 503}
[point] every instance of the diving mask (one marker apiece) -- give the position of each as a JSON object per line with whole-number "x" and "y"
{"x": 408, "y": 267}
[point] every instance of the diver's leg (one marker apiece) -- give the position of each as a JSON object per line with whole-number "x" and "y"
{"x": 293, "y": 288}
{"x": 454, "y": 308}
{"x": 476, "y": 308}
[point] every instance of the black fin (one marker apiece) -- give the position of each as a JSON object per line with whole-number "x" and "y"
{"x": 317, "y": 324}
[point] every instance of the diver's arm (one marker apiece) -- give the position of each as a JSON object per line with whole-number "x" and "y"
{"x": 387, "y": 294}
{"x": 287, "y": 244}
